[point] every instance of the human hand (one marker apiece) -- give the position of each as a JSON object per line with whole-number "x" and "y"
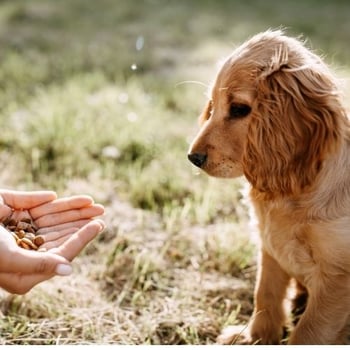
{"x": 21, "y": 270}
{"x": 55, "y": 219}
{"x": 67, "y": 225}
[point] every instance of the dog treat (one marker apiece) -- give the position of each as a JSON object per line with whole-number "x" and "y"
{"x": 24, "y": 232}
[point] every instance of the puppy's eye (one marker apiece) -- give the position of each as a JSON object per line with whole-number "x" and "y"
{"x": 238, "y": 110}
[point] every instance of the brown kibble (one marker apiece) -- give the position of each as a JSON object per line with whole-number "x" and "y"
{"x": 27, "y": 220}
{"x": 23, "y": 244}
{"x": 23, "y": 232}
{"x": 30, "y": 243}
{"x": 20, "y": 233}
{"x": 6, "y": 221}
{"x": 23, "y": 225}
{"x": 39, "y": 240}
{"x": 11, "y": 222}
{"x": 29, "y": 235}
{"x": 30, "y": 229}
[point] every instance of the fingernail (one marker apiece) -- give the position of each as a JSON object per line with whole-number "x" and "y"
{"x": 64, "y": 270}
{"x": 102, "y": 224}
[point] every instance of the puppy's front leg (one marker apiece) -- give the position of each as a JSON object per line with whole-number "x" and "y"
{"x": 269, "y": 315}
{"x": 266, "y": 323}
{"x": 326, "y": 314}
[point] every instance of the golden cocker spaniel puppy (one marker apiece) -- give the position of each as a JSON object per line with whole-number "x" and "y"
{"x": 275, "y": 116}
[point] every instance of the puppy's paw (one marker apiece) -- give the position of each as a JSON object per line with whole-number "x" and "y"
{"x": 234, "y": 335}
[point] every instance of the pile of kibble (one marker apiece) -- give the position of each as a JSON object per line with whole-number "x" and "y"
{"x": 24, "y": 232}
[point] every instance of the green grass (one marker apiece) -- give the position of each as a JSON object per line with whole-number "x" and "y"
{"x": 101, "y": 97}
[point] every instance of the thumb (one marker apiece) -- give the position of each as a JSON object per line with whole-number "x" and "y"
{"x": 33, "y": 262}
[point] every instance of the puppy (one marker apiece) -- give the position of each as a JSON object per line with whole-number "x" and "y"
{"x": 275, "y": 116}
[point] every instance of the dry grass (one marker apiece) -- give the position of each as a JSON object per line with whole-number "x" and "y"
{"x": 139, "y": 284}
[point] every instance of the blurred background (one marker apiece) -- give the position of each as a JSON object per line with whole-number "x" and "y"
{"x": 102, "y": 97}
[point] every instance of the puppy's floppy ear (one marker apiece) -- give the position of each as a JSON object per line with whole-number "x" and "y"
{"x": 297, "y": 121}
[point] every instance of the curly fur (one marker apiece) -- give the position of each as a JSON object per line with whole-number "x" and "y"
{"x": 294, "y": 150}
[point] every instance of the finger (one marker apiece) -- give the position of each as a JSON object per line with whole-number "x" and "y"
{"x": 26, "y": 199}
{"x": 56, "y": 235}
{"x": 21, "y": 284}
{"x": 76, "y": 224}
{"x": 62, "y": 204}
{"x": 75, "y": 244}
{"x": 70, "y": 215}
{"x": 53, "y": 245}
{"x": 29, "y": 262}
{"x": 18, "y": 215}
{"x": 5, "y": 212}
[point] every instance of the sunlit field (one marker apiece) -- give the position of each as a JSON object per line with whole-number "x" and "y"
{"x": 102, "y": 98}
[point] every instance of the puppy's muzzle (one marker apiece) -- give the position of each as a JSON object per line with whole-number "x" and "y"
{"x": 197, "y": 159}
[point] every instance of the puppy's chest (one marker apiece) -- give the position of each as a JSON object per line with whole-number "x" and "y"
{"x": 287, "y": 241}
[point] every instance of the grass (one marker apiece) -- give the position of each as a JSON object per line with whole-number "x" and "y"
{"x": 102, "y": 98}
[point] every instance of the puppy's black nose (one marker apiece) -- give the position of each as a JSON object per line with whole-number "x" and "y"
{"x": 197, "y": 159}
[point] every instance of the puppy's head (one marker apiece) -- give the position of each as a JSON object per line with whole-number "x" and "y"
{"x": 274, "y": 115}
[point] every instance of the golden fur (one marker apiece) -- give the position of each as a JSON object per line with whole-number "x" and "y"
{"x": 291, "y": 140}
